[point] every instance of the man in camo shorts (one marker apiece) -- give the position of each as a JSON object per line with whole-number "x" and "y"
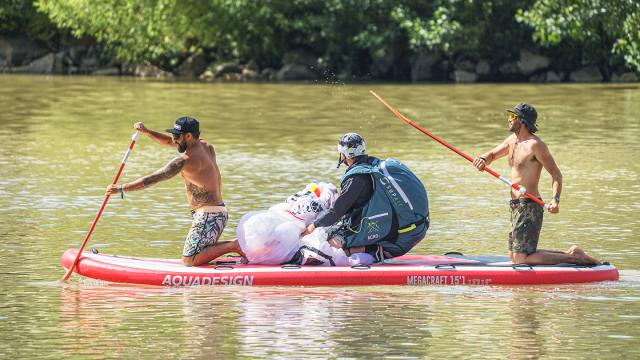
{"x": 526, "y": 223}
{"x": 527, "y": 155}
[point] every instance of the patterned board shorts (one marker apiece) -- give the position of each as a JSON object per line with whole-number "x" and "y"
{"x": 526, "y": 223}
{"x": 206, "y": 229}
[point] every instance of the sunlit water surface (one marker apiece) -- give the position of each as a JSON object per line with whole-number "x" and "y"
{"x": 63, "y": 139}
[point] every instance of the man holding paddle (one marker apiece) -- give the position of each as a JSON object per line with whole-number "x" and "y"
{"x": 197, "y": 165}
{"x": 527, "y": 155}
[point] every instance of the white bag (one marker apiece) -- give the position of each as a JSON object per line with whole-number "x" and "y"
{"x": 272, "y": 236}
{"x": 316, "y": 250}
{"x": 268, "y": 237}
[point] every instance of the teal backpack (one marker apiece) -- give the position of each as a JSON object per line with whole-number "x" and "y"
{"x": 399, "y": 204}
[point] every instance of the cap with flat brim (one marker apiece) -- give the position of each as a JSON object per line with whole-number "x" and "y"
{"x": 175, "y": 131}
{"x": 185, "y": 125}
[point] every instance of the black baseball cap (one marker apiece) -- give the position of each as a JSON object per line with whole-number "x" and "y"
{"x": 185, "y": 125}
{"x": 528, "y": 114}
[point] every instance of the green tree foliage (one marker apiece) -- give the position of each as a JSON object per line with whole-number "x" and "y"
{"x": 135, "y": 30}
{"x": 262, "y": 31}
{"x": 599, "y": 29}
{"x": 20, "y": 17}
{"x": 466, "y": 28}
{"x": 343, "y": 34}
{"x": 629, "y": 45}
{"x": 367, "y": 38}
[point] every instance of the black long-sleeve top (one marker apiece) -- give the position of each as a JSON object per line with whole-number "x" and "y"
{"x": 355, "y": 192}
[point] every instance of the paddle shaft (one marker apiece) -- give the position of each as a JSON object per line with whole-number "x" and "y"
{"x": 104, "y": 203}
{"x": 519, "y": 188}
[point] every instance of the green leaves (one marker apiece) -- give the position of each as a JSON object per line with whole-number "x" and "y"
{"x": 629, "y": 44}
{"x": 353, "y": 36}
{"x": 604, "y": 28}
{"x": 436, "y": 32}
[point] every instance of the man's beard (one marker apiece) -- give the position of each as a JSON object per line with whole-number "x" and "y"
{"x": 515, "y": 128}
{"x": 182, "y": 148}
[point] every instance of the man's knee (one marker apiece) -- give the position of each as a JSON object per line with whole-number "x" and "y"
{"x": 188, "y": 260}
{"x": 519, "y": 258}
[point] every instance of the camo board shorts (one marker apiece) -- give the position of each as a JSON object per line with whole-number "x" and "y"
{"x": 206, "y": 229}
{"x": 526, "y": 223}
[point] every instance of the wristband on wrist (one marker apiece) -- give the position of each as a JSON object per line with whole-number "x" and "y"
{"x": 121, "y": 191}
{"x": 556, "y": 198}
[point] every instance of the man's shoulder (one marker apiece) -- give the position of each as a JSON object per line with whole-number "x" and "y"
{"x": 509, "y": 140}
{"x": 182, "y": 159}
{"x": 207, "y": 146}
{"x": 537, "y": 142}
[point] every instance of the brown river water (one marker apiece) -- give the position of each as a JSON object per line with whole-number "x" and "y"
{"x": 63, "y": 139}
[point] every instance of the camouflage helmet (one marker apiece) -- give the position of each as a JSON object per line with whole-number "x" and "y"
{"x": 351, "y": 145}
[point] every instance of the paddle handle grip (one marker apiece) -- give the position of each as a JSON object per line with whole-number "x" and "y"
{"x": 104, "y": 204}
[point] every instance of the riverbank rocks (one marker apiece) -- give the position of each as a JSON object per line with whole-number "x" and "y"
{"x": 530, "y": 62}
{"x": 268, "y": 73}
{"x": 88, "y": 65}
{"x": 421, "y": 66}
{"x": 546, "y": 77}
{"x": 250, "y": 74}
{"x": 464, "y": 76}
{"x": 236, "y": 72}
{"x": 220, "y": 70}
{"x": 110, "y": 71}
{"x": 509, "y": 68}
{"x": 193, "y": 66}
{"x": 146, "y": 70}
{"x": 483, "y": 67}
{"x": 627, "y": 77}
{"x": 298, "y": 65}
{"x": 19, "y": 51}
{"x": 85, "y": 55}
{"x": 43, "y": 65}
{"x": 295, "y": 72}
{"x": 59, "y": 63}
{"x": 553, "y": 77}
{"x": 586, "y": 75}
{"x": 464, "y": 72}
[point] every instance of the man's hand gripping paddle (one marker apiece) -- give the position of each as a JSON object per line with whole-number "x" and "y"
{"x": 520, "y": 188}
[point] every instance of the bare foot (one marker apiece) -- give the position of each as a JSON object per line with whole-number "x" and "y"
{"x": 583, "y": 258}
{"x": 573, "y": 249}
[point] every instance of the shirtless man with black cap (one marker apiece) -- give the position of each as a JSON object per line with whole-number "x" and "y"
{"x": 527, "y": 155}
{"x": 197, "y": 165}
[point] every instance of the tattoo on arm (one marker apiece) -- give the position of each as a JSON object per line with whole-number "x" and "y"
{"x": 167, "y": 172}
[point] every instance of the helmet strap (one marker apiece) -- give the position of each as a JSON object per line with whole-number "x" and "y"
{"x": 340, "y": 160}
